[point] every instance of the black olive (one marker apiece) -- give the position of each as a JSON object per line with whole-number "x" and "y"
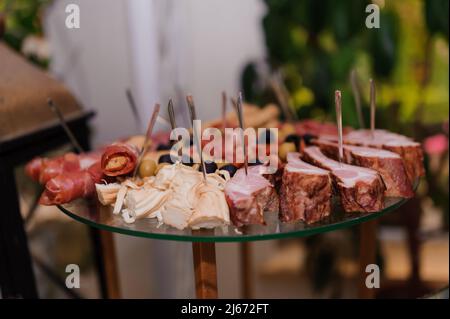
{"x": 293, "y": 138}
{"x": 210, "y": 167}
{"x": 230, "y": 168}
{"x": 308, "y": 138}
{"x": 165, "y": 158}
{"x": 163, "y": 147}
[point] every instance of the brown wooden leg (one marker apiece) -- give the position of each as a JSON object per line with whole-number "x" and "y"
{"x": 16, "y": 269}
{"x": 107, "y": 263}
{"x": 367, "y": 255}
{"x": 246, "y": 267}
{"x": 205, "y": 270}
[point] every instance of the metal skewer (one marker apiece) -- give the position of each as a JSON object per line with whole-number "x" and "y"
{"x": 233, "y": 101}
{"x": 171, "y": 112}
{"x": 338, "y": 102}
{"x": 287, "y": 99}
{"x": 64, "y": 125}
{"x": 134, "y": 109}
{"x": 372, "y": 107}
{"x": 191, "y": 105}
{"x": 276, "y": 89}
{"x": 224, "y": 110}
{"x": 148, "y": 135}
{"x": 357, "y": 96}
{"x": 283, "y": 97}
{"x": 173, "y": 123}
{"x": 241, "y": 124}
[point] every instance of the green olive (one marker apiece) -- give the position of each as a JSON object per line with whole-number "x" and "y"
{"x": 284, "y": 149}
{"x": 147, "y": 168}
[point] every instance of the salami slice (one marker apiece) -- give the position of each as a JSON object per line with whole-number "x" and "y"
{"x": 43, "y": 169}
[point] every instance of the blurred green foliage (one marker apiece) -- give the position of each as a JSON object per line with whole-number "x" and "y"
{"x": 315, "y": 44}
{"x": 23, "y": 18}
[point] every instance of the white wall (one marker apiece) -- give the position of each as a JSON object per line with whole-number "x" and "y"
{"x": 223, "y": 37}
{"x": 94, "y": 62}
{"x": 161, "y": 49}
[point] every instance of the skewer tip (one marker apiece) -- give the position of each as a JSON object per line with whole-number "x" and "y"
{"x": 337, "y": 96}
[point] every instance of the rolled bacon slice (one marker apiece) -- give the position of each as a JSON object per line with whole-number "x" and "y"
{"x": 410, "y": 151}
{"x": 305, "y": 192}
{"x": 43, "y": 169}
{"x": 360, "y": 189}
{"x": 119, "y": 159}
{"x": 248, "y": 196}
{"x": 72, "y": 185}
{"x": 390, "y": 165}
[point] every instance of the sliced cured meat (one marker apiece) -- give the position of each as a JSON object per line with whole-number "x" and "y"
{"x": 119, "y": 159}
{"x": 43, "y": 169}
{"x": 410, "y": 151}
{"x": 360, "y": 189}
{"x": 71, "y": 185}
{"x": 33, "y": 168}
{"x": 305, "y": 192}
{"x": 390, "y": 165}
{"x": 249, "y": 195}
{"x": 316, "y": 128}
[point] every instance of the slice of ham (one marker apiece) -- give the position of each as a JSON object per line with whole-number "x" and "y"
{"x": 390, "y": 165}
{"x": 361, "y": 189}
{"x": 119, "y": 159}
{"x": 316, "y": 128}
{"x": 248, "y": 196}
{"x": 71, "y": 185}
{"x": 43, "y": 169}
{"x": 305, "y": 192}
{"x": 410, "y": 151}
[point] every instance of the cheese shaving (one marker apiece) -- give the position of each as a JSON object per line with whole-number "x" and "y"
{"x": 177, "y": 196}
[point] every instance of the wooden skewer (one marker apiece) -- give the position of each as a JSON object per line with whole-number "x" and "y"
{"x": 338, "y": 102}
{"x": 134, "y": 109}
{"x": 372, "y": 107}
{"x": 64, "y": 125}
{"x": 148, "y": 135}
{"x": 355, "y": 89}
{"x": 241, "y": 124}
{"x": 224, "y": 110}
{"x": 191, "y": 105}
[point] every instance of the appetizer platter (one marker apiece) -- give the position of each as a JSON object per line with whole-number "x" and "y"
{"x": 326, "y": 177}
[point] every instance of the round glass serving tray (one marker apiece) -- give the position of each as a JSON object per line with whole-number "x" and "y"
{"x": 96, "y": 215}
